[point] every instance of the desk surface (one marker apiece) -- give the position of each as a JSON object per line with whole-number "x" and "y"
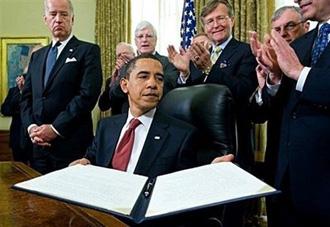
{"x": 18, "y": 208}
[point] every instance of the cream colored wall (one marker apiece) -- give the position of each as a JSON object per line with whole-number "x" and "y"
{"x": 22, "y": 18}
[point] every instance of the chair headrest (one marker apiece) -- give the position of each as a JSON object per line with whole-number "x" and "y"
{"x": 209, "y": 107}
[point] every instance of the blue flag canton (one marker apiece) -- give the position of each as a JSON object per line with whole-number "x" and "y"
{"x": 188, "y": 24}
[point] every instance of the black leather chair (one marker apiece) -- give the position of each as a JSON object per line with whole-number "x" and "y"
{"x": 209, "y": 107}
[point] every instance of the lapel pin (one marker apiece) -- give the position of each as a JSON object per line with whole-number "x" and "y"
{"x": 223, "y": 64}
{"x": 71, "y": 50}
{"x": 157, "y": 137}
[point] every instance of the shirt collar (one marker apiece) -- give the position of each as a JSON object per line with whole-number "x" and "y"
{"x": 224, "y": 44}
{"x": 64, "y": 42}
{"x": 145, "y": 118}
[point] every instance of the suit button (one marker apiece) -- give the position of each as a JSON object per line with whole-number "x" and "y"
{"x": 294, "y": 115}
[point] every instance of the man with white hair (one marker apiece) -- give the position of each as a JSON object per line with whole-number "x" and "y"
{"x": 145, "y": 41}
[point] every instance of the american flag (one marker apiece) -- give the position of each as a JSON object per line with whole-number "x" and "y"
{"x": 188, "y": 23}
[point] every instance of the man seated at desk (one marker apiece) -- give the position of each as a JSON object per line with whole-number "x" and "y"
{"x": 144, "y": 141}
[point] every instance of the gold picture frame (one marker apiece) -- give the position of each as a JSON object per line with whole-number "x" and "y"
{"x": 14, "y": 57}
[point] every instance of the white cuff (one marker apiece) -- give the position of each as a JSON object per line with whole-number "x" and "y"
{"x": 57, "y": 133}
{"x": 258, "y": 97}
{"x": 182, "y": 79}
{"x": 30, "y": 126}
{"x": 302, "y": 78}
{"x": 272, "y": 88}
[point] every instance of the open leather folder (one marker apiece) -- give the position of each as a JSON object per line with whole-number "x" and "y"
{"x": 136, "y": 198}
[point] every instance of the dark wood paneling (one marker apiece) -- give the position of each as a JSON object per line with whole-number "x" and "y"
{"x": 5, "y": 151}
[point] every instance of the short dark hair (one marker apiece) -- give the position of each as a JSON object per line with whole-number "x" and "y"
{"x": 211, "y": 5}
{"x": 131, "y": 64}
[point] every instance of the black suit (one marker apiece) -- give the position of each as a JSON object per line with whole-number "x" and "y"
{"x": 65, "y": 102}
{"x": 234, "y": 68}
{"x": 19, "y": 143}
{"x": 174, "y": 150}
{"x": 303, "y": 172}
{"x": 113, "y": 97}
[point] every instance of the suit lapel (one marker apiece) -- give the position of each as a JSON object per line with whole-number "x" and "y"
{"x": 66, "y": 53}
{"x": 304, "y": 52}
{"x": 227, "y": 53}
{"x": 41, "y": 70}
{"x": 153, "y": 145}
{"x": 116, "y": 128}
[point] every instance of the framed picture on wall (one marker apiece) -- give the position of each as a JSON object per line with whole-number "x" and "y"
{"x": 14, "y": 58}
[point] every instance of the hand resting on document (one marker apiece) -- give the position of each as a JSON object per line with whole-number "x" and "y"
{"x": 82, "y": 161}
{"x": 225, "y": 158}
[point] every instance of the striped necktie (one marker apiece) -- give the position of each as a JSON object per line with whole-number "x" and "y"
{"x": 215, "y": 54}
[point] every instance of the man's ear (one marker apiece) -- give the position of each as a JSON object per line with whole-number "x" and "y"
{"x": 123, "y": 85}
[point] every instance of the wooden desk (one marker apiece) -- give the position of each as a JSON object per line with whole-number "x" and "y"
{"x": 18, "y": 208}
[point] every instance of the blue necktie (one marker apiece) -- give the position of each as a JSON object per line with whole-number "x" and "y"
{"x": 321, "y": 42}
{"x": 50, "y": 62}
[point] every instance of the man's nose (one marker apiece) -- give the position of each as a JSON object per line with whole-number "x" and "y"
{"x": 283, "y": 32}
{"x": 152, "y": 83}
{"x": 58, "y": 17}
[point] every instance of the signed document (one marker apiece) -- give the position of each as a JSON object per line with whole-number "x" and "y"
{"x": 137, "y": 198}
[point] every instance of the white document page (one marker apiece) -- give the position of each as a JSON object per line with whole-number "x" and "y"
{"x": 96, "y": 186}
{"x": 203, "y": 186}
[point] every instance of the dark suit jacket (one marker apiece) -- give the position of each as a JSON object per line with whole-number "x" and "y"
{"x": 116, "y": 99}
{"x": 170, "y": 73}
{"x": 68, "y": 98}
{"x": 174, "y": 150}
{"x": 235, "y": 68}
{"x": 20, "y": 144}
{"x": 304, "y": 154}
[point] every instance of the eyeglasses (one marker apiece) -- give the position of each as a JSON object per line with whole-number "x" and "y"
{"x": 219, "y": 20}
{"x": 147, "y": 36}
{"x": 288, "y": 26}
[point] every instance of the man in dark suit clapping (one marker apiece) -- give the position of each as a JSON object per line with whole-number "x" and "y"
{"x": 62, "y": 86}
{"x": 298, "y": 79}
{"x": 229, "y": 62}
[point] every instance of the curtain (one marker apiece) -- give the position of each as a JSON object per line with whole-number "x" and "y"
{"x": 164, "y": 15}
{"x": 250, "y": 15}
{"x": 112, "y": 25}
{"x": 198, "y": 8}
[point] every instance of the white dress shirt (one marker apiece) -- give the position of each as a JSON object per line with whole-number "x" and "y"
{"x": 141, "y": 132}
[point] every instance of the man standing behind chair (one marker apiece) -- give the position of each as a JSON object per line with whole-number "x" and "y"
{"x": 230, "y": 63}
{"x": 145, "y": 41}
{"x": 62, "y": 86}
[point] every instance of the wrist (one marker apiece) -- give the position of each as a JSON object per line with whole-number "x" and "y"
{"x": 273, "y": 78}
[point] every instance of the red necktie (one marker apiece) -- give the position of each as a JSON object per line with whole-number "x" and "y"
{"x": 124, "y": 149}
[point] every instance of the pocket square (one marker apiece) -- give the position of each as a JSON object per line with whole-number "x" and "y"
{"x": 70, "y": 60}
